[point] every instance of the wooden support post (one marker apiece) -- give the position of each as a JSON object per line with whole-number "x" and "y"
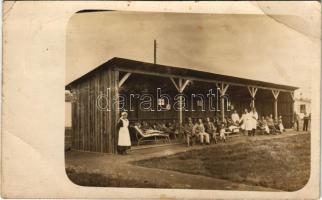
{"x": 252, "y": 91}
{"x": 184, "y": 85}
{"x": 275, "y": 109}
{"x": 124, "y": 78}
{"x": 222, "y": 108}
{"x": 180, "y": 103}
{"x": 222, "y": 87}
{"x": 275, "y": 94}
{"x": 175, "y": 84}
{"x": 293, "y": 110}
{"x": 180, "y": 88}
{"x": 155, "y": 52}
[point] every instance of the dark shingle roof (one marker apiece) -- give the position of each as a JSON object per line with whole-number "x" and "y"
{"x": 127, "y": 64}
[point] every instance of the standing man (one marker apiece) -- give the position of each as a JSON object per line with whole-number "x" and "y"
{"x": 306, "y": 121}
{"x": 297, "y": 121}
{"x": 211, "y": 129}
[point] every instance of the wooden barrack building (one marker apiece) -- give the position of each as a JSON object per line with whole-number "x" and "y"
{"x": 95, "y": 130}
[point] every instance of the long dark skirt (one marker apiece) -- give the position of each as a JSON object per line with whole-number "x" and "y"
{"x": 123, "y": 149}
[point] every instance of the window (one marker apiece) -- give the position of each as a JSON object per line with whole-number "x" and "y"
{"x": 161, "y": 102}
{"x": 302, "y": 108}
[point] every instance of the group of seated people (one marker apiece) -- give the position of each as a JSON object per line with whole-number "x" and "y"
{"x": 206, "y": 130}
{"x": 267, "y": 124}
{"x": 271, "y": 126}
{"x": 171, "y": 128}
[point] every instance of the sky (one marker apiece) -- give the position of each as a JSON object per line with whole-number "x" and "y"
{"x": 257, "y": 47}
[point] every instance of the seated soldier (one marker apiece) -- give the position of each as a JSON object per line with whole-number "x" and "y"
{"x": 222, "y": 132}
{"x": 172, "y": 125}
{"x": 189, "y": 133}
{"x": 164, "y": 128}
{"x": 155, "y": 126}
{"x": 159, "y": 126}
{"x": 224, "y": 121}
{"x": 171, "y": 129}
{"x": 217, "y": 124}
{"x": 199, "y": 129}
{"x": 138, "y": 124}
{"x": 177, "y": 128}
{"x": 235, "y": 117}
{"x": 210, "y": 129}
{"x": 145, "y": 126}
{"x": 263, "y": 125}
{"x": 280, "y": 124}
{"x": 270, "y": 124}
{"x": 228, "y": 121}
{"x": 232, "y": 126}
{"x": 276, "y": 125}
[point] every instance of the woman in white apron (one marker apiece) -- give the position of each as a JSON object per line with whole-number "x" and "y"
{"x": 254, "y": 118}
{"x": 124, "y": 141}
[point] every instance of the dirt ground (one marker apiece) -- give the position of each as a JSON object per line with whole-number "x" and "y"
{"x": 95, "y": 169}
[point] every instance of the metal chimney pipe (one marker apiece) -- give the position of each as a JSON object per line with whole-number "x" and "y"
{"x": 155, "y": 52}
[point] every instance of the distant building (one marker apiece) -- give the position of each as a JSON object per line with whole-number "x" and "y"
{"x": 302, "y": 105}
{"x": 68, "y": 109}
{"x": 68, "y": 119}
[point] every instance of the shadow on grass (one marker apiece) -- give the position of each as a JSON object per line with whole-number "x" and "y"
{"x": 100, "y": 180}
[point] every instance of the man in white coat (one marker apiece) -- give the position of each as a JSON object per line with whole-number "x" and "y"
{"x": 254, "y": 118}
{"x": 246, "y": 122}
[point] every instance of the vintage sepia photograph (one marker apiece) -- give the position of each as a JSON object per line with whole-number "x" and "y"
{"x": 161, "y": 100}
{"x": 188, "y": 100}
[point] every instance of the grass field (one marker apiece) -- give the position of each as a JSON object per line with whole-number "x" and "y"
{"x": 282, "y": 163}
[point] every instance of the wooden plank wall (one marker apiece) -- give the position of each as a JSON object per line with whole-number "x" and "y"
{"x": 114, "y": 114}
{"x": 284, "y": 108}
{"x": 94, "y": 130}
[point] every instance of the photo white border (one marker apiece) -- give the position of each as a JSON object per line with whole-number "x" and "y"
{"x": 33, "y": 164}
